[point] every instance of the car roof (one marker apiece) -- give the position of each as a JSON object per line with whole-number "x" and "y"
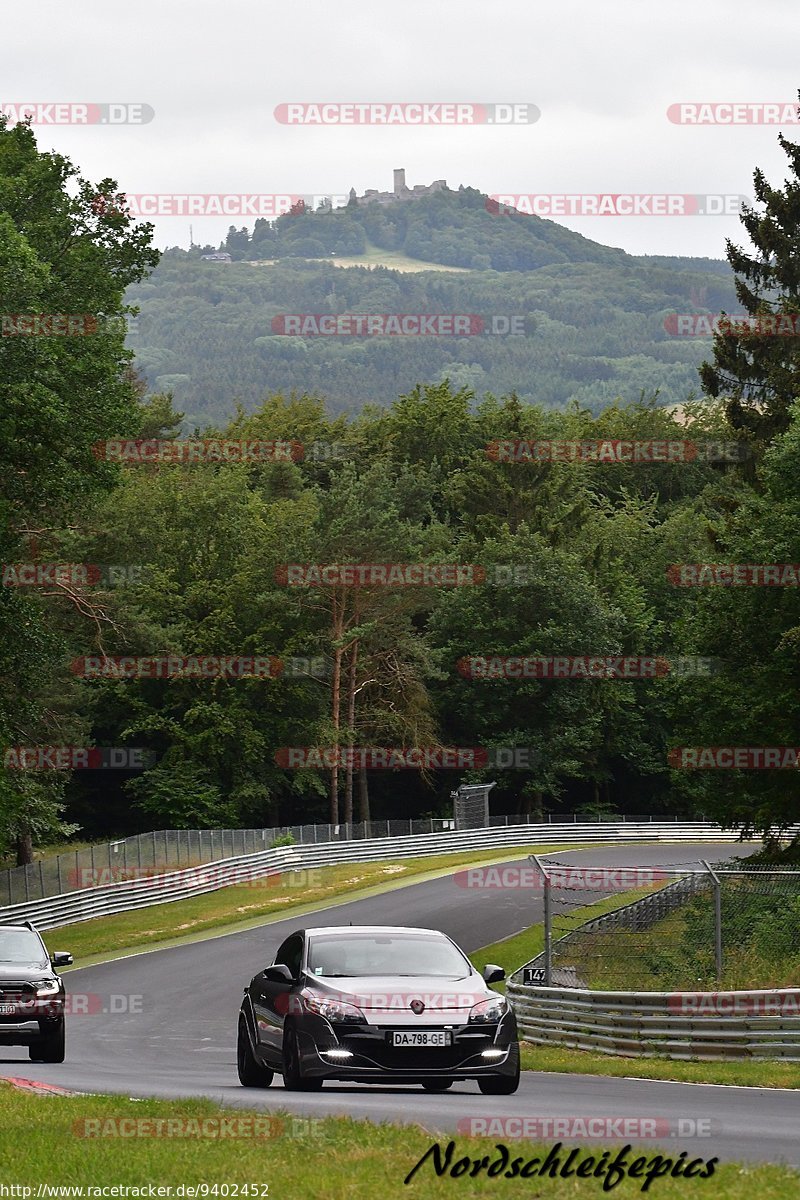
{"x": 324, "y": 929}
{"x": 16, "y": 929}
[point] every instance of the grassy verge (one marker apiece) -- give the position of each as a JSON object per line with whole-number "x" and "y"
{"x": 512, "y": 952}
{"x": 299, "y": 1159}
{"x": 288, "y": 893}
{"x": 761, "y": 945}
{"x": 748, "y": 1073}
{"x": 9, "y": 861}
{"x": 516, "y": 950}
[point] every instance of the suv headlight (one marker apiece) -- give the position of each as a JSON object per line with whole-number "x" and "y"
{"x": 333, "y": 1010}
{"x": 48, "y": 987}
{"x": 488, "y": 1011}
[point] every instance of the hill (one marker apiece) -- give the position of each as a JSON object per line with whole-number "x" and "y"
{"x": 588, "y": 320}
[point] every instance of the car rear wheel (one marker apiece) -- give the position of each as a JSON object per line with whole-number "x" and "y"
{"x": 293, "y": 1078}
{"x": 251, "y": 1072}
{"x": 50, "y": 1048}
{"x": 437, "y": 1085}
{"x": 503, "y": 1085}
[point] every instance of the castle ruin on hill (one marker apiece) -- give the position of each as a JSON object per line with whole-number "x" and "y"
{"x": 400, "y": 192}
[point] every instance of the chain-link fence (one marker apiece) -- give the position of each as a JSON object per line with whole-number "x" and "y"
{"x": 675, "y": 926}
{"x": 167, "y": 849}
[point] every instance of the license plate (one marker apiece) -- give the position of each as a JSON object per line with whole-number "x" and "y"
{"x": 7, "y": 1010}
{"x": 421, "y": 1037}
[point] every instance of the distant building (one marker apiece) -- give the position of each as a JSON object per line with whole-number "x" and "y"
{"x": 219, "y": 256}
{"x": 400, "y": 191}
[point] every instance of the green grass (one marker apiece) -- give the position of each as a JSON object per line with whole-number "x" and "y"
{"x": 9, "y": 860}
{"x": 513, "y": 952}
{"x": 747, "y": 1073}
{"x": 373, "y": 256}
{"x": 239, "y": 906}
{"x": 335, "y": 1158}
{"x": 760, "y": 946}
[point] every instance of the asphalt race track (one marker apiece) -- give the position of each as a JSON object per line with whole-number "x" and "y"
{"x": 182, "y": 1041}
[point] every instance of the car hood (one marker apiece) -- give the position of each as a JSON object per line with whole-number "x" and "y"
{"x": 392, "y": 996}
{"x": 24, "y": 972}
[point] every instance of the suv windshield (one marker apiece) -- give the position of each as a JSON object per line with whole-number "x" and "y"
{"x": 21, "y": 946}
{"x": 350, "y": 955}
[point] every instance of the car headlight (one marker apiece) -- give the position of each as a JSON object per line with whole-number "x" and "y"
{"x": 48, "y": 987}
{"x": 488, "y": 1011}
{"x": 333, "y": 1010}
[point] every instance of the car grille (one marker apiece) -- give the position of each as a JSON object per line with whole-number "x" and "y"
{"x": 10, "y": 988}
{"x": 416, "y": 1058}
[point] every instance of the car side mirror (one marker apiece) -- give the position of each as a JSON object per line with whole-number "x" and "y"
{"x": 279, "y": 973}
{"x": 493, "y": 974}
{"x": 61, "y": 958}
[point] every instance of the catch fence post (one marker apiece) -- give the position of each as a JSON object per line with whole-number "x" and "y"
{"x": 548, "y": 922}
{"x": 717, "y": 920}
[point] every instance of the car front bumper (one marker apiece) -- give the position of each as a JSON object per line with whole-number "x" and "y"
{"x": 474, "y": 1053}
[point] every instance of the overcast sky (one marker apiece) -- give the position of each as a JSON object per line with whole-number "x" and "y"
{"x": 602, "y": 75}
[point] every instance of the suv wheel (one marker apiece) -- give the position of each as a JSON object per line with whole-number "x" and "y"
{"x": 251, "y": 1072}
{"x": 50, "y": 1046}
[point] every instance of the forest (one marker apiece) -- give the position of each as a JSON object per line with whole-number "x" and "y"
{"x": 591, "y": 324}
{"x": 485, "y": 554}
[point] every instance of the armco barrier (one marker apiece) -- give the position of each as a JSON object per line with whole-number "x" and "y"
{"x": 680, "y": 1025}
{"x": 86, "y": 903}
{"x": 174, "y": 849}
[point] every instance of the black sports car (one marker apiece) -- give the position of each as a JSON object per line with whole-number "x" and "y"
{"x": 376, "y": 1004}
{"x": 31, "y": 994}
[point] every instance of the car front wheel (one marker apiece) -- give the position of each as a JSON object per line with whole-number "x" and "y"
{"x": 293, "y": 1078}
{"x": 503, "y": 1085}
{"x": 251, "y": 1072}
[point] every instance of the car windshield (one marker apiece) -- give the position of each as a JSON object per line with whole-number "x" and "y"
{"x": 21, "y": 946}
{"x": 358, "y": 954}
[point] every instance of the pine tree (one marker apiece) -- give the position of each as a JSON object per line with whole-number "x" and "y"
{"x": 757, "y": 365}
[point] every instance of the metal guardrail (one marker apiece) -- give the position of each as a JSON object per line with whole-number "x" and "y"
{"x": 680, "y": 1025}
{"x": 176, "y": 848}
{"x": 85, "y": 903}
